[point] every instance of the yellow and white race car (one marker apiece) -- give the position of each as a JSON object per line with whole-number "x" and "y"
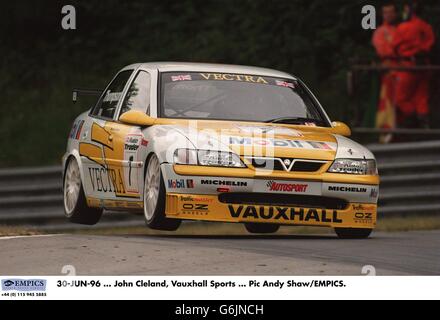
{"x": 208, "y": 142}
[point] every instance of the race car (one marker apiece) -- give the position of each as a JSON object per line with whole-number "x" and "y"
{"x": 222, "y": 143}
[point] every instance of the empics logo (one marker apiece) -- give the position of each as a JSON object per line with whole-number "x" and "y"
{"x": 24, "y": 285}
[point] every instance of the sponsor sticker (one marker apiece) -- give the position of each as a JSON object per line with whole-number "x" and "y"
{"x": 106, "y": 180}
{"x": 224, "y": 183}
{"x": 196, "y": 199}
{"x": 181, "y": 184}
{"x": 132, "y": 142}
{"x": 112, "y": 96}
{"x": 363, "y": 213}
{"x": 233, "y": 77}
{"x": 76, "y": 130}
{"x": 195, "y": 208}
{"x": 286, "y": 187}
{"x": 347, "y": 189}
{"x": 363, "y": 217}
{"x": 282, "y": 143}
{"x": 284, "y": 214}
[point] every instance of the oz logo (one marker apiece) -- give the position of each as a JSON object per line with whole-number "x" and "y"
{"x": 68, "y": 22}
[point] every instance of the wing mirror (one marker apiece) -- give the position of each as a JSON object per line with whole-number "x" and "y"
{"x": 341, "y": 129}
{"x": 137, "y": 118}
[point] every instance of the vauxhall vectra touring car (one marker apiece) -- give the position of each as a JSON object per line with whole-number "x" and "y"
{"x": 222, "y": 143}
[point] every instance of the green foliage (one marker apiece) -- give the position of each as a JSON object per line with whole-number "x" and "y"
{"x": 40, "y": 63}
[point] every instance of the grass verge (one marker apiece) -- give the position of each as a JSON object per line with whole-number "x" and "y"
{"x": 18, "y": 231}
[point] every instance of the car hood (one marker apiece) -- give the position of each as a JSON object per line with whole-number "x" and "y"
{"x": 259, "y": 139}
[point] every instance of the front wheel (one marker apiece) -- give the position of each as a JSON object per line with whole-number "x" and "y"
{"x": 261, "y": 227}
{"x": 353, "y": 233}
{"x": 154, "y": 198}
{"x": 75, "y": 203}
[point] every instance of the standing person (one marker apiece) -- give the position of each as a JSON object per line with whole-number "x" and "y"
{"x": 383, "y": 39}
{"x": 412, "y": 43}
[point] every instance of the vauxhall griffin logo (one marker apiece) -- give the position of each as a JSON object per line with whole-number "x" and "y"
{"x": 287, "y": 162}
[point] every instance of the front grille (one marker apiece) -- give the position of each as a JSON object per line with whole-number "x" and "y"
{"x": 271, "y": 199}
{"x": 307, "y": 166}
{"x": 286, "y": 164}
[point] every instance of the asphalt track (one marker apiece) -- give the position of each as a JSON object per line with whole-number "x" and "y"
{"x": 407, "y": 253}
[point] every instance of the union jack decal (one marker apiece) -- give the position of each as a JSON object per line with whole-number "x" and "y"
{"x": 181, "y": 78}
{"x": 285, "y": 84}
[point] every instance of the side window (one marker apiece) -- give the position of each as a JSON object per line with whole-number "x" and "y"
{"x": 138, "y": 95}
{"x": 108, "y": 102}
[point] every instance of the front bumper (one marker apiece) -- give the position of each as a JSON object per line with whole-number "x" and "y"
{"x": 198, "y": 196}
{"x": 210, "y": 208}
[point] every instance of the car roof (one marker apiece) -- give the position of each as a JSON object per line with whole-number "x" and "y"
{"x": 209, "y": 67}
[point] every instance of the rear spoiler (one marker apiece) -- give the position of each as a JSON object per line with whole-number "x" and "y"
{"x": 84, "y": 92}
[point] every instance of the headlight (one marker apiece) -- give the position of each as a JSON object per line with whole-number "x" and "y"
{"x": 353, "y": 166}
{"x": 207, "y": 158}
{"x": 185, "y": 156}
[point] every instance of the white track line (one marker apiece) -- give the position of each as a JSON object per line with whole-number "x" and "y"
{"x": 30, "y": 236}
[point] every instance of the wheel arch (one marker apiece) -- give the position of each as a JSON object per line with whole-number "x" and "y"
{"x": 75, "y": 155}
{"x": 147, "y": 159}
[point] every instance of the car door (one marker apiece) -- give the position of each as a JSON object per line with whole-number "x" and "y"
{"x": 128, "y": 140}
{"x": 101, "y": 147}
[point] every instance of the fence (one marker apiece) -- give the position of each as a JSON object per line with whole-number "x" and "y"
{"x": 33, "y": 197}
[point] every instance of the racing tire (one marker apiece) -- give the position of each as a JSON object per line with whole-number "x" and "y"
{"x": 154, "y": 198}
{"x": 76, "y": 209}
{"x": 261, "y": 227}
{"x": 353, "y": 233}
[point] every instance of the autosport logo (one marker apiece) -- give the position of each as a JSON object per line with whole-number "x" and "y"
{"x": 24, "y": 285}
{"x": 286, "y": 187}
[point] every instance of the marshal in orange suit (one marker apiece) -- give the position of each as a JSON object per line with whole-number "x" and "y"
{"x": 383, "y": 39}
{"x": 413, "y": 40}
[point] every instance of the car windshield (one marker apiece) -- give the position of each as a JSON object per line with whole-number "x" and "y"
{"x": 239, "y": 97}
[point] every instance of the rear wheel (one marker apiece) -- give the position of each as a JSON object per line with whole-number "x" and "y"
{"x": 353, "y": 233}
{"x": 261, "y": 227}
{"x": 75, "y": 203}
{"x": 154, "y": 198}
